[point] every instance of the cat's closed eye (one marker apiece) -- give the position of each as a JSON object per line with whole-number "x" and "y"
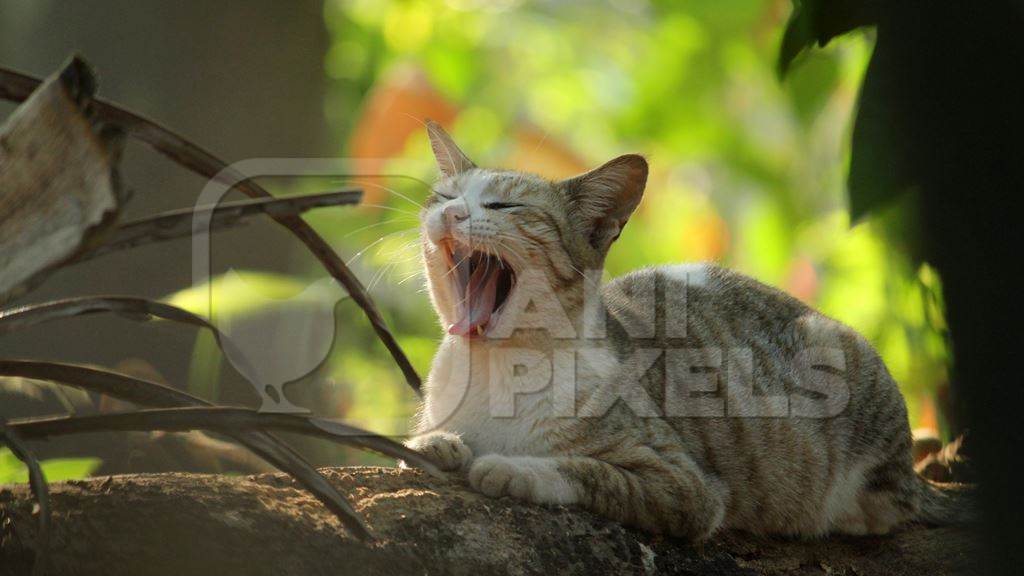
{"x": 501, "y": 205}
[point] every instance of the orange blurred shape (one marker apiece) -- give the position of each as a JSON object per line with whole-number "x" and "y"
{"x": 706, "y": 238}
{"x": 537, "y": 152}
{"x": 928, "y": 413}
{"x": 393, "y": 110}
{"x": 802, "y": 281}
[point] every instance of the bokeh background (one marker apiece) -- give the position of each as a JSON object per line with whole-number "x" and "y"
{"x": 747, "y": 171}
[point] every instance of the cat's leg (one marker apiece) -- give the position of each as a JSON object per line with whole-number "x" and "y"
{"x": 444, "y": 449}
{"x": 645, "y": 489}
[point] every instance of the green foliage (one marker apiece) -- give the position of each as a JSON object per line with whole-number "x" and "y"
{"x": 12, "y": 470}
{"x": 879, "y": 184}
{"x": 240, "y": 292}
{"x": 878, "y": 174}
{"x": 819, "y": 21}
{"x": 229, "y": 298}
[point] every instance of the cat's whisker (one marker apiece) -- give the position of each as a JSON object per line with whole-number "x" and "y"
{"x": 463, "y": 300}
{"x": 547, "y": 228}
{"x": 413, "y": 254}
{"x": 487, "y": 266}
{"x": 362, "y": 182}
{"x": 540, "y": 247}
{"x": 573, "y": 266}
{"x": 372, "y": 244}
{"x": 379, "y": 275}
{"x": 404, "y": 260}
{"x": 393, "y": 209}
{"x": 505, "y": 246}
{"x": 418, "y": 273}
{"x": 508, "y": 248}
{"x": 457, "y": 264}
{"x": 407, "y": 245}
{"x": 376, "y": 224}
{"x": 395, "y": 192}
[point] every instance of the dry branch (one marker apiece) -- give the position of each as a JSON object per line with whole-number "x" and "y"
{"x": 116, "y": 385}
{"x": 59, "y": 196}
{"x": 237, "y": 422}
{"x": 180, "y": 223}
{"x": 217, "y": 419}
{"x": 17, "y": 87}
{"x": 14, "y": 319}
{"x": 245, "y": 426}
{"x": 21, "y": 317}
{"x": 145, "y": 393}
{"x": 59, "y": 187}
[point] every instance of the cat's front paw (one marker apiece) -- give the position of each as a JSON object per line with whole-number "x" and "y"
{"x": 446, "y": 450}
{"x": 527, "y": 478}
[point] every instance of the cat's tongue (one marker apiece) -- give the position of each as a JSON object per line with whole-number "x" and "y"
{"x": 478, "y": 302}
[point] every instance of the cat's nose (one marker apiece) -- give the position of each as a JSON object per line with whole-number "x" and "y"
{"x": 455, "y": 212}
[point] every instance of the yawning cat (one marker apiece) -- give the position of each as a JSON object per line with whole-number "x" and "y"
{"x": 678, "y": 399}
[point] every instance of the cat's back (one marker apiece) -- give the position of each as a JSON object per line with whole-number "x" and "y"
{"x": 699, "y": 304}
{"x": 735, "y": 321}
{"x": 786, "y": 442}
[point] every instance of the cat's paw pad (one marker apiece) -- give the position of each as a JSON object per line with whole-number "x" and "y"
{"x": 525, "y": 478}
{"x": 446, "y": 450}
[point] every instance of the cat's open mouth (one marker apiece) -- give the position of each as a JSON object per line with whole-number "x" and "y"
{"x": 482, "y": 283}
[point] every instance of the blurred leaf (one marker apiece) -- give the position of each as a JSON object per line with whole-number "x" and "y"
{"x": 12, "y": 471}
{"x": 819, "y": 21}
{"x": 878, "y": 168}
{"x": 241, "y": 292}
{"x": 765, "y": 241}
{"x": 60, "y": 469}
{"x": 204, "y": 367}
{"x": 812, "y": 84}
{"x": 243, "y": 304}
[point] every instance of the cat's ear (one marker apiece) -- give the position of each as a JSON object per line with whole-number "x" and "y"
{"x": 605, "y": 197}
{"x": 449, "y": 158}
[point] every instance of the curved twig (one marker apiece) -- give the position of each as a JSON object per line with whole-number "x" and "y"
{"x": 178, "y": 223}
{"x": 222, "y": 420}
{"x": 17, "y": 318}
{"x": 264, "y": 444}
{"x": 120, "y": 386}
{"x": 145, "y": 393}
{"x": 13, "y": 319}
{"x": 284, "y": 458}
{"x": 37, "y": 480}
{"x": 17, "y": 87}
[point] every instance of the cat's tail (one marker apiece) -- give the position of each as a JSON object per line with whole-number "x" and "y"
{"x": 945, "y": 504}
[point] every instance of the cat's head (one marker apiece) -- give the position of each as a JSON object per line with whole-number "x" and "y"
{"x": 484, "y": 229}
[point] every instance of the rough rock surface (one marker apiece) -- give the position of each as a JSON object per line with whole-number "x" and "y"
{"x": 206, "y": 524}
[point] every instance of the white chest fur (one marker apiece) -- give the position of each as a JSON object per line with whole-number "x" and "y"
{"x": 499, "y": 397}
{"x": 469, "y": 394}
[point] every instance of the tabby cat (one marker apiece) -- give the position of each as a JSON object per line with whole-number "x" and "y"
{"x": 677, "y": 399}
